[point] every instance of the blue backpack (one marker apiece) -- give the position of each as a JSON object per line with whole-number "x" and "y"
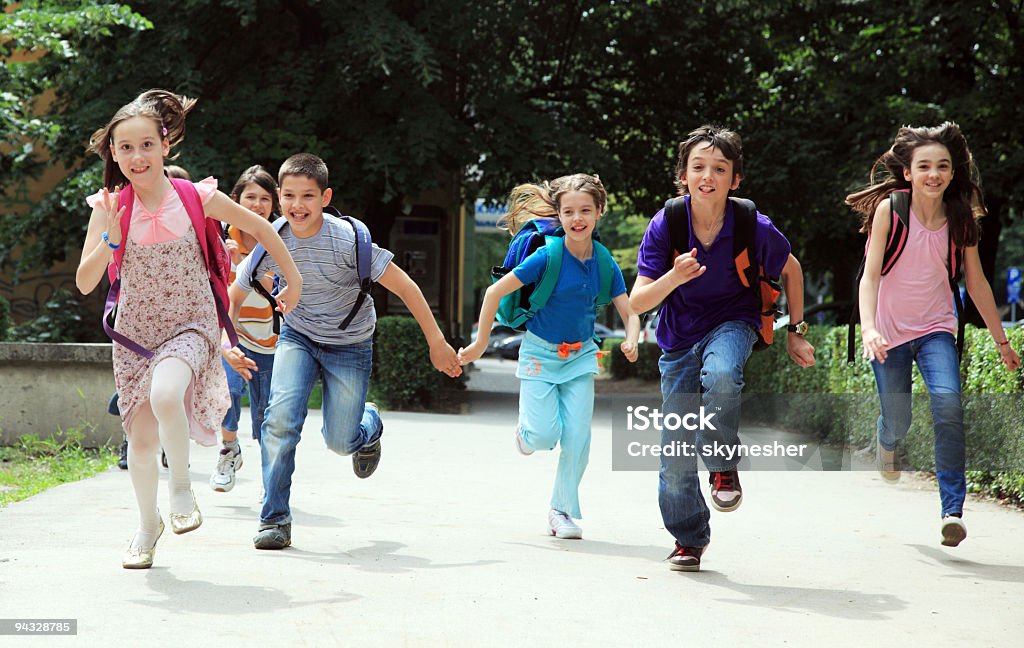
{"x": 364, "y": 255}
{"x": 519, "y": 306}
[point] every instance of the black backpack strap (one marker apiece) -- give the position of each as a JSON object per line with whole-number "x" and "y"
{"x": 899, "y": 206}
{"x": 678, "y": 222}
{"x": 743, "y": 248}
{"x": 955, "y": 263}
{"x": 258, "y": 253}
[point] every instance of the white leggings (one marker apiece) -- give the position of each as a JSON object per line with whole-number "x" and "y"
{"x": 161, "y": 421}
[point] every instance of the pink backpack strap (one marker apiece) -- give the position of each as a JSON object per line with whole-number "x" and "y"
{"x": 208, "y": 233}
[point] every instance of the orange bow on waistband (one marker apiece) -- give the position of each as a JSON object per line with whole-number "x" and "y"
{"x": 565, "y": 348}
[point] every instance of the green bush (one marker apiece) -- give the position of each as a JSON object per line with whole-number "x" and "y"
{"x": 645, "y": 367}
{"x": 60, "y": 321}
{"x": 846, "y": 410}
{"x": 5, "y": 319}
{"x": 403, "y": 376}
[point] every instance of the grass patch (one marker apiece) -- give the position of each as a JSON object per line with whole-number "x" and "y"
{"x": 316, "y": 397}
{"x": 33, "y": 464}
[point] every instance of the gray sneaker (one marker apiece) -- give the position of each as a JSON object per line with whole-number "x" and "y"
{"x": 521, "y": 442}
{"x": 273, "y": 536}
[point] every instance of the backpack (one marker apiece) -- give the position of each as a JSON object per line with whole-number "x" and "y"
{"x": 899, "y": 208}
{"x": 364, "y": 257}
{"x": 215, "y": 257}
{"x": 521, "y": 305}
{"x": 752, "y": 275}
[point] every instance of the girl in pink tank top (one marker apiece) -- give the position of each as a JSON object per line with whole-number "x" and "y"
{"x": 907, "y": 315}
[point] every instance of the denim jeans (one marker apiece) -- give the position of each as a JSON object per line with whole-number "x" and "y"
{"x": 236, "y": 388}
{"x": 708, "y": 374}
{"x": 259, "y": 388}
{"x": 939, "y": 364}
{"x": 348, "y": 423}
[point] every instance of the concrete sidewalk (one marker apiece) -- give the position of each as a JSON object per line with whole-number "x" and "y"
{"x": 445, "y": 546}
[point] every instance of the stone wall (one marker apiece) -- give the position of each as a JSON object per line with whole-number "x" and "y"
{"x": 49, "y": 387}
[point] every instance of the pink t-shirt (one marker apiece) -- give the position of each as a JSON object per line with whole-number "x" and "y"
{"x": 914, "y": 298}
{"x": 170, "y": 220}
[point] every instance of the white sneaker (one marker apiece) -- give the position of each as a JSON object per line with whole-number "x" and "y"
{"x": 521, "y": 442}
{"x": 561, "y": 526}
{"x": 953, "y": 531}
{"x": 223, "y": 480}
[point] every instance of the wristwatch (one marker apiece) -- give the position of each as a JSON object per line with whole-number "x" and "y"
{"x": 800, "y": 328}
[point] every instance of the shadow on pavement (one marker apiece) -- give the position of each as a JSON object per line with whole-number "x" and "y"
{"x": 379, "y": 556}
{"x": 218, "y": 599}
{"x": 970, "y": 569}
{"x": 837, "y": 603}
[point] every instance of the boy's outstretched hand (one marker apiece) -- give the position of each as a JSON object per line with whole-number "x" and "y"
{"x": 444, "y": 359}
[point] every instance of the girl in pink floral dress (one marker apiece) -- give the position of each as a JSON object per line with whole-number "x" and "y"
{"x": 166, "y": 305}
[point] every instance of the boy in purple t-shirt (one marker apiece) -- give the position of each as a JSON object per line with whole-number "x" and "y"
{"x": 708, "y": 329}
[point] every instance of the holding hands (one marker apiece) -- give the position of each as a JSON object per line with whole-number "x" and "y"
{"x": 445, "y": 360}
{"x": 630, "y": 350}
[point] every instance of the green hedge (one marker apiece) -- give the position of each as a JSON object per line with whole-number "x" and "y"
{"x": 645, "y": 367}
{"x": 5, "y": 319}
{"x": 993, "y": 425}
{"x": 403, "y": 377}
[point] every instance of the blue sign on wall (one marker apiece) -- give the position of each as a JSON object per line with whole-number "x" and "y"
{"x": 1012, "y": 285}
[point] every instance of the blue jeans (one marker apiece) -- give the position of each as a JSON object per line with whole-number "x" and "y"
{"x": 939, "y": 364}
{"x": 236, "y": 388}
{"x": 708, "y": 374}
{"x": 259, "y": 388}
{"x": 348, "y": 423}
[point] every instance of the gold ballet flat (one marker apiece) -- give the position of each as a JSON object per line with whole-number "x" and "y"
{"x": 185, "y": 522}
{"x": 141, "y": 558}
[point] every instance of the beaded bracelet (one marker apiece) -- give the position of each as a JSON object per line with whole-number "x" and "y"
{"x": 106, "y": 239}
{"x": 1004, "y": 343}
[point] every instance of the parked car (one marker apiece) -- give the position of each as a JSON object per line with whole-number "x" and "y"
{"x": 827, "y": 314}
{"x": 508, "y": 348}
{"x": 499, "y": 333}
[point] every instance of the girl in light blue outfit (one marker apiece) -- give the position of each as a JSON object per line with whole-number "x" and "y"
{"x": 558, "y": 357}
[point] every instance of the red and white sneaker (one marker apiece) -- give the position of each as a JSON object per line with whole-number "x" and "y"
{"x": 726, "y": 492}
{"x": 685, "y": 558}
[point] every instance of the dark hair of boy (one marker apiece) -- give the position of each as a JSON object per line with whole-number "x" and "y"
{"x": 723, "y": 139}
{"x": 305, "y": 164}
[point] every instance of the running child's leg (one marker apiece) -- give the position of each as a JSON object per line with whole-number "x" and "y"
{"x": 349, "y": 422}
{"x": 892, "y": 378}
{"x": 540, "y": 425}
{"x": 295, "y": 372}
{"x": 575, "y": 410}
{"x": 171, "y": 380}
{"x": 723, "y": 357}
{"x": 143, "y": 447}
{"x": 940, "y": 367}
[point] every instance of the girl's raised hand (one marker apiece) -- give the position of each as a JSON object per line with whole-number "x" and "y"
{"x": 1009, "y": 357}
{"x": 113, "y": 215}
{"x": 875, "y": 346}
{"x": 686, "y": 267}
{"x": 630, "y": 350}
